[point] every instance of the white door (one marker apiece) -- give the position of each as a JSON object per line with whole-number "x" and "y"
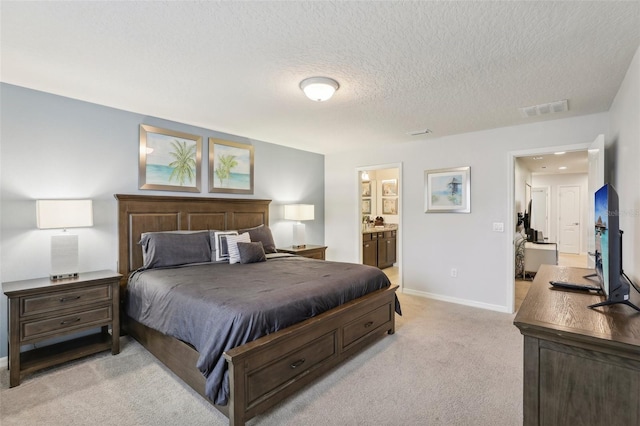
{"x": 569, "y": 219}
{"x": 596, "y": 180}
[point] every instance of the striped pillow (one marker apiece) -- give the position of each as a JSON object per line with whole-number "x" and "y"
{"x": 232, "y": 245}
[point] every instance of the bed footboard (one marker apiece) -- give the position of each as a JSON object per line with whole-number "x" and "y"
{"x": 264, "y": 372}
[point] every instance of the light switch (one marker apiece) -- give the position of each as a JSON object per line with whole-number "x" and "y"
{"x": 498, "y": 227}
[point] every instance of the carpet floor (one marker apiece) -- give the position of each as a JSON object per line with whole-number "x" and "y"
{"x": 446, "y": 364}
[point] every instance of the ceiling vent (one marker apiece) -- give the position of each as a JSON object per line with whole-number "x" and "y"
{"x": 548, "y": 108}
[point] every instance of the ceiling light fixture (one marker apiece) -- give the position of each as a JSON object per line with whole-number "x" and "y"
{"x": 560, "y": 152}
{"x": 562, "y": 168}
{"x": 319, "y": 89}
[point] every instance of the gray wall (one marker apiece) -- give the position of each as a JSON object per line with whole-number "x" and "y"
{"x": 56, "y": 147}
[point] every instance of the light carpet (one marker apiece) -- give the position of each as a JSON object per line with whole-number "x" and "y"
{"x": 446, "y": 364}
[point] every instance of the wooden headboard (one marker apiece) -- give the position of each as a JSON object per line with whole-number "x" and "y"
{"x": 150, "y": 213}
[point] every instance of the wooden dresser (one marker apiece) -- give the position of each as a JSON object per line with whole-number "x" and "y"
{"x": 581, "y": 365}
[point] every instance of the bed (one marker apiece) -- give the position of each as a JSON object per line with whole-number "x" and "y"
{"x": 262, "y": 372}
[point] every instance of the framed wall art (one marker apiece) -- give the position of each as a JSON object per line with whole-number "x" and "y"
{"x": 389, "y": 206}
{"x": 230, "y": 167}
{"x": 169, "y": 160}
{"x": 366, "y": 189}
{"x": 389, "y": 187}
{"x": 366, "y": 206}
{"x": 447, "y": 190}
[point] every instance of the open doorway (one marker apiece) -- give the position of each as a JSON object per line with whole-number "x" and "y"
{"x": 379, "y": 218}
{"x": 580, "y": 167}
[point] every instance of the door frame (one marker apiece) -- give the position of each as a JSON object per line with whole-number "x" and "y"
{"x": 358, "y": 215}
{"x": 511, "y": 210}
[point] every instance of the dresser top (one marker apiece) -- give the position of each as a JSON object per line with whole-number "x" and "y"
{"x": 15, "y": 288}
{"x": 566, "y": 313}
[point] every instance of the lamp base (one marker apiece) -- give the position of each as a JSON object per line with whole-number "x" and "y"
{"x": 64, "y": 256}
{"x": 298, "y": 235}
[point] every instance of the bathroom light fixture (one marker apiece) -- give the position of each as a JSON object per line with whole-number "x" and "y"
{"x": 319, "y": 88}
{"x": 63, "y": 214}
{"x": 298, "y": 212}
{"x": 365, "y": 176}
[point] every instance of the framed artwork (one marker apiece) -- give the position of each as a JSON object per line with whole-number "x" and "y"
{"x": 447, "y": 190}
{"x": 169, "y": 160}
{"x": 366, "y": 206}
{"x": 230, "y": 167}
{"x": 389, "y": 187}
{"x": 389, "y": 206}
{"x": 366, "y": 189}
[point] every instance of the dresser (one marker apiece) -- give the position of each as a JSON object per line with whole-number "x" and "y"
{"x": 41, "y": 310}
{"x": 581, "y": 365}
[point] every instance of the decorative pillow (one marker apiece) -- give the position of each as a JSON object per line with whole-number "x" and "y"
{"x": 232, "y": 244}
{"x": 161, "y": 249}
{"x": 263, "y": 234}
{"x": 221, "y": 250}
{"x": 251, "y": 252}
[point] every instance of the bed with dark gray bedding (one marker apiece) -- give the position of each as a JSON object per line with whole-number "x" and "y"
{"x": 249, "y": 334}
{"x": 217, "y": 307}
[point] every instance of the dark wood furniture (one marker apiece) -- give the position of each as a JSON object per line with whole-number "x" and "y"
{"x": 379, "y": 248}
{"x": 41, "y": 309}
{"x": 264, "y": 372}
{"x": 310, "y": 251}
{"x": 581, "y": 365}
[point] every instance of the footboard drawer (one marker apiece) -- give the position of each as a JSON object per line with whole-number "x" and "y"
{"x": 366, "y": 324}
{"x": 300, "y": 361}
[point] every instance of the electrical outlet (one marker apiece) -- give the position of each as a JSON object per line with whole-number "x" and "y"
{"x": 454, "y": 272}
{"x": 498, "y": 227}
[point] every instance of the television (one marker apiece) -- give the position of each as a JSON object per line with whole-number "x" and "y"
{"x": 608, "y": 249}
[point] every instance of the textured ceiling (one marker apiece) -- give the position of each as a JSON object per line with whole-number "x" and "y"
{"x": 452, "y": 67}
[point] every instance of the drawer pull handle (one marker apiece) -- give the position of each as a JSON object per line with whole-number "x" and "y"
{"x": 66, "y": 299}
{"x": 298, "y": 363}
{"x": 369, "y": 324}
{"x": 70, "y": 321}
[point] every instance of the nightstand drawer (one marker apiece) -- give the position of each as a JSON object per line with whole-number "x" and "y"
{"x": 32, "y": 305}
{"x": 39, "y": 329}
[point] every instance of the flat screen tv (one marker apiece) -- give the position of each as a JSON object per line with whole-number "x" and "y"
{"x": 608, "y": 249}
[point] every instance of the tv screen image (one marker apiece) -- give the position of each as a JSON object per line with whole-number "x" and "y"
{"x": 608, "y": 246}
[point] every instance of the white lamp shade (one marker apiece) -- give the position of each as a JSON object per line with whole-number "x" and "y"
{"x": 298, "y": 211}
{"x": 51, "y": 214}
{"x": 319, "y": 88}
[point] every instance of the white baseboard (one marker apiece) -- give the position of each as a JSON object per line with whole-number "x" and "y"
{"x": 465, "y": 302}
{"x": 4, "y": 362}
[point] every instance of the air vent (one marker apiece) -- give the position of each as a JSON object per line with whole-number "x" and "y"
{"x": 419, "y": 132}
{"x": 542, "y": 109}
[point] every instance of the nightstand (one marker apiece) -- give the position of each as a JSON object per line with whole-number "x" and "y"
{"x": 310, "y": 251}
{"x": 41, "y": 309}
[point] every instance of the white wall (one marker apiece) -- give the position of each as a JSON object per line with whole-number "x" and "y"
{"x": 623, "y": 154}
{"x": 554, "y": 182}
{"x": 434, "y": 243}
{"x": 56, "y": 147}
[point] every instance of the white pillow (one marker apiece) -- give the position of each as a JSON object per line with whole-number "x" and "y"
{"x": 232, "y": 245}
{"x": 220, "y": 244}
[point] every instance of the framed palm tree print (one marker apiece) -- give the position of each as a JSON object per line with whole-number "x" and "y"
{"x": 447, "y": 190}
{"x": 169, "y": 160}
{"x": 230, "y": 167}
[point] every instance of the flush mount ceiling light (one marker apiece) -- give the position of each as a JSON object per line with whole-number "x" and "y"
{"x": 319, "y": 88}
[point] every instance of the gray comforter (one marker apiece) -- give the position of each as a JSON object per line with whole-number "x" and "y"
{"x": 216, "y": 307}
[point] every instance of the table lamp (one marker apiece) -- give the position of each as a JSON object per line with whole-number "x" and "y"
{"x": 298, "y": 212}
{"x": 63, "y": 214}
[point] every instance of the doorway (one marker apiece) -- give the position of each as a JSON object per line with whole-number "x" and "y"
{"x": 380, "y": 196}
{"x": 518, "y": 189}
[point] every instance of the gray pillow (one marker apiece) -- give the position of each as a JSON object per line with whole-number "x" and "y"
{"x": 251, "y": 252}
{"x": 162, "y": 249}
{"x": 263, "y": 234}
